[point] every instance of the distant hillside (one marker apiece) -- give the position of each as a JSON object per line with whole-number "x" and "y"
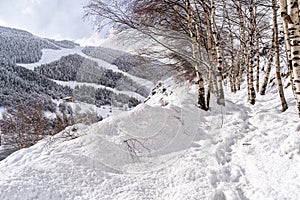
{"x": 18, "y": 46}
{"x": 135, "y": 65}
{"x": 64, "y": 43}
{"x": 103, "y": 96}
{"x": 20, "y": 85}
{"x": 77, "y": 68}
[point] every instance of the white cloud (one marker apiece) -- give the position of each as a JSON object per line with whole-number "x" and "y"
{"x": 60, "y": 19}
{"x": 94, "y": 40}
{"x": 3, "y": 23}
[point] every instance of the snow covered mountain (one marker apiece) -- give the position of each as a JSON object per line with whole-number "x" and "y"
{"x": 135, "y": 65}
{"x": 68, "y": 64}
{"x": 166, "y": 149}
{"x": 18, "y": 46}
{"x": 37, "y": 70}
{"x": 18, "y": 84}
{"x": 77, "y": 68}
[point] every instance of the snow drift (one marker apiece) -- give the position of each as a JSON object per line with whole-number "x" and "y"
{"x": 166, "y": 149}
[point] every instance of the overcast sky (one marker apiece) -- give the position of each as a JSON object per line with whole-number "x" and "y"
{"x": 58, "y": 19}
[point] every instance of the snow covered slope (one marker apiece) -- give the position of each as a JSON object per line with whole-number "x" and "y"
{"x": 21, "y": 46}
{"x": 166, "y": 149}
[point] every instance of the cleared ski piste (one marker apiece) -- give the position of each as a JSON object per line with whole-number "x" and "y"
{"x": 180, "y": 153}
{"x": 50, "y": 55}
{"x": 73, "y": 84}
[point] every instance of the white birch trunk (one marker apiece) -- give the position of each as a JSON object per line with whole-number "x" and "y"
{"x": 220, "y": 92}
{"x": 294, "y": 36}
{"x": 277, "y": 59}
{"x": 251, "y": 55}
{"x": 200, "y": 80}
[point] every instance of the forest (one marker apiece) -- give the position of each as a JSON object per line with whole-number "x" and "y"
{"x": 77, "y": 68}
{"x": 137, "y": 65}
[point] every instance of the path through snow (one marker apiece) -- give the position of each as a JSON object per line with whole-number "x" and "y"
{"x": 180, "y": 153}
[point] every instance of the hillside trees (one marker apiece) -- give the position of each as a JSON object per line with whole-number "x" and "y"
{"x": 25, "y": 125}
{"x": 18, "y": 46}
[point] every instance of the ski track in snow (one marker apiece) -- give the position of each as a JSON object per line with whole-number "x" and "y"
{"x": 2, "y": 109}
{"x": 241, "y": 152}
{"x": 73, "y": 84}
{"x": 50, "y": 55}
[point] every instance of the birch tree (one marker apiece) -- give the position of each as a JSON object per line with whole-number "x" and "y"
{"x": 220, "y": 92}
{"x": 290, "y": 16}
{"x": 252, "y": 94}
{"x": 277, "y": 58}
{"x": 268, "y": 70}
{"x": 196, "y": 54}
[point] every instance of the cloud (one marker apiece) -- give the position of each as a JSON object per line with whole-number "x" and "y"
{"x": 59, "y": 19}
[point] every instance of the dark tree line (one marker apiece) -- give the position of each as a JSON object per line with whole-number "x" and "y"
{"x": 77, "y": 68}
{"x": 18, "y": 46}
{"x": 18, "y": 84}
{"x": 102, "y": 96}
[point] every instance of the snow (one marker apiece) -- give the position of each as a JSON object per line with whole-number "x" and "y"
{"x": 2, "y": 109}
{"x": 50, "y": 55}
{"x": 114, "y": 68}
{"x": 73, "y": 84}
{"x": 167, "y": 149}
{"x": 104, "y": 111}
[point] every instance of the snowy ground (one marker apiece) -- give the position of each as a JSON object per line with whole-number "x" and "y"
{"x": 50, "y": 55}
{"x": 167, "y": 149}
{"x": 104, "y": 111}
{"x": 2, "y": 109}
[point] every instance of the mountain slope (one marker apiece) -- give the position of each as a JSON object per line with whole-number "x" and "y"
{"x": 166, "y": 149}
{"x": 20, "y": 85}
{"x": 18, "y": 46}
{"x": 37, "y": 70}
{"x": 135, "y": 65}
{"x": 77, "y": 68}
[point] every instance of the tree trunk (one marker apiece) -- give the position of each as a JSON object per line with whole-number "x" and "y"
{"x": 220, "y": 92}
{"x": 200, "y": 80}
{"x": 277, "y": 61}
{"x": 257, "y": 58}
{"x": 212, "y": 84}
{"x": 232, "y": 71}
{"x": 268, "y": 70}
{"x": 294, "y": 35}
{"x": 287, "y": 42}
{"x": 251, "y": 55}
{"x": 245, "y": 61}
{"x": 239, "y": 70}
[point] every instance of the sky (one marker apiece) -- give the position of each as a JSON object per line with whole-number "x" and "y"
{"x": 56, "y": 19}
